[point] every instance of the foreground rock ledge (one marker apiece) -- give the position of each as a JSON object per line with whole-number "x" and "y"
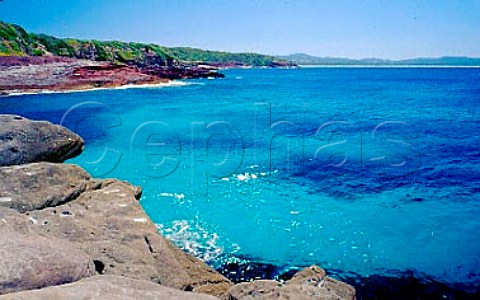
{"x": 31, "y": 261}
{"x": 104, "y": 219}
{"x": 107, "y": 288}
{"x": 25, "y": 141}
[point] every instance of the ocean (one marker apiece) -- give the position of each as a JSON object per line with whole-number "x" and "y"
{"x": 363, "y": 171}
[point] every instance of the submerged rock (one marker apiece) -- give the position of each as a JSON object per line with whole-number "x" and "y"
{"x": 30, "y": 261}
{"x": 108, "y": 288}
{"x": 25, "y": 141}
{"x": 309, "y": 283}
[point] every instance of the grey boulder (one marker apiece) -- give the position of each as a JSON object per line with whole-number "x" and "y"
{"x": 30, "y": 262}
{"x": 25, "y": 141}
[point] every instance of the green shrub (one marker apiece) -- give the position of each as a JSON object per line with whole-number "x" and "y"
{"x": 14, "y": 39}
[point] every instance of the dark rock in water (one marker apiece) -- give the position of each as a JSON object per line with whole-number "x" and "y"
{"x": 40, "y": 185}
{"x": 30, "y": 261}
{"x": 24, "y": 141}
{"x": 417, "y": 199}
{"x": 408, "y": 286}
{"x": 241, "y": 270}
{"x": 402, "y": 285}
{"x": 107, "y": 288}
{"x": 309, "y": 283}
{"x": 182, "y": 72}
{"x": 287, "y": 275}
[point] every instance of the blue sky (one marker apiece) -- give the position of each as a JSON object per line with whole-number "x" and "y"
{"x": 357, "y": 29}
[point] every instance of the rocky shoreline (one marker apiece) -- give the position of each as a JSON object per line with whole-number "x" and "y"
{"x": 29, "y": 74}
{"x": 66, "y": 235}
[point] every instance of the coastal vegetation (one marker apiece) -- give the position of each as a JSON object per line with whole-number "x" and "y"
{"x": 198, "y": 55}
{"x": 16, "y": 41}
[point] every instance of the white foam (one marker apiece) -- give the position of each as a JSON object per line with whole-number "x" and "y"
{"x": 247, "y": 176}
{"x": 166, "y": 194}
{"x": 179, "y": 196}
{"x": 196, "y": 239}
{"x": 243, "y": 177}
{"x": 172, "y": 83}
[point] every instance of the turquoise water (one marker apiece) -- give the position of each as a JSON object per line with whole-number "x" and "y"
{"x": 367, "y": 171}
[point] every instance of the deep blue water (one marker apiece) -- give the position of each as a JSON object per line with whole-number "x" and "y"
{"x": 362, "y": 170}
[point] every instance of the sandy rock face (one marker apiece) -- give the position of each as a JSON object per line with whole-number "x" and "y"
{"x": 25, "y": 141}
{"x": 30, "y": 261}
{"x": 103, "y": 219}
{"x": 109, "y": 224}
{"x": 40, "y": 185}
{"x": 309, "y": 283}
{"x": 107, "y": 288}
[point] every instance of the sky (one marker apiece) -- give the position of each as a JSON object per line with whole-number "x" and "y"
{"x": 342, "y": 28}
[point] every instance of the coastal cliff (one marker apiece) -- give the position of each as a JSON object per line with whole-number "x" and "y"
{"x": 16, "y": 41}
{"x": 32, "y": 63}
{"x": 69, "y": 236}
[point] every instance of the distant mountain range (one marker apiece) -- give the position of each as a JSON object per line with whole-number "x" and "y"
{"x": 305, "y": 59}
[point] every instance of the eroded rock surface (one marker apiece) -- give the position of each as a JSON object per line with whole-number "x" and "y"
{"x": 31, "y": 74}
{"x": 25, "y": 141}
{"x": 29, "y": 261}
{"x": 107, "y": 288}
{"x": 40, "y": 185}
{"x": 309, "y": 283}
{"x": 104, "y": 219}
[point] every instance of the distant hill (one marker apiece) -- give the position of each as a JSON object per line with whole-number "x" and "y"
{"x": 15, "y": 41}
{"x": 305, "y": 59}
